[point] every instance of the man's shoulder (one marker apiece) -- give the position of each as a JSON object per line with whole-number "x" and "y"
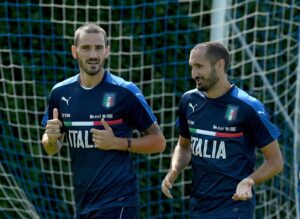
{"x": 193, "y": 93}
{"x": 66, "y": 82}
{"x": 247, "y": 100}
{"x": 121, "y": 82}
{"x": 245, "y": 97}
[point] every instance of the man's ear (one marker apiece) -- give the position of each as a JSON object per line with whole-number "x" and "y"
{"x": 220, "y": 65}
{"x": 74, "y": 53}
{"x": 107, "y": 52}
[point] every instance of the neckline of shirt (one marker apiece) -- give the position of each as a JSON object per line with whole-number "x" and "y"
{"x": 90, "y": 88}
{"x": 223, "y": 96}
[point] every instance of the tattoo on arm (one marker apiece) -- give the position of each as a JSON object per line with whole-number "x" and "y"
{"x": 153, "y": 129}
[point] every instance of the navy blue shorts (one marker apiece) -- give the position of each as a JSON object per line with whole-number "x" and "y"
{"x": 221, "y": 207}
{"x": 111, "y": 213}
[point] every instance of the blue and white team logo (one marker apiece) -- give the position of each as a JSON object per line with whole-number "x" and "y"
{"x": 109, "y": 100}
{"x": 231, "y": 113}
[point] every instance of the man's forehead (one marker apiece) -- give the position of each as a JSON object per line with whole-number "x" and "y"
{"x": 197, "y": 55}
{"x": 199, "y": 51}
{"x": 91, "y": 38}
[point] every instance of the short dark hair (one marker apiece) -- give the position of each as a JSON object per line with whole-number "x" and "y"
{"x": 89, "y": 28}
{"x": 214, "y": 52}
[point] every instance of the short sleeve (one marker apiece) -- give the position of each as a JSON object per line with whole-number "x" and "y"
{"x": 259, "y": 127}
{"x": 53, "y": 103}
{"x": 140, "y": 114}
{"x": 182, "y": 121}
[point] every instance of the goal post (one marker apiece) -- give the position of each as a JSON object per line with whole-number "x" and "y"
{"x": 150, "y": 44}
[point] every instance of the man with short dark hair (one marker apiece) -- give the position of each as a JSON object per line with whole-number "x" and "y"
{"x": 220, "y": 127}
{"x": 97, "y": 112}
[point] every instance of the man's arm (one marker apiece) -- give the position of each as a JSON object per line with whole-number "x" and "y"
{"x": 52, "y": 138}
{"x": 152, "y": 141}
{"x": 273, "y": 165}
{"x": 180, "y": 159}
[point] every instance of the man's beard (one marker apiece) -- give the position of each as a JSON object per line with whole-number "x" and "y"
{"x": 209, "y": 82}
{"x": 95, "y": 69}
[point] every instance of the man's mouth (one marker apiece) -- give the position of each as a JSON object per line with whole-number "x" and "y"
{"x": 94, "y": 62}
{"x": 200, "y": 80}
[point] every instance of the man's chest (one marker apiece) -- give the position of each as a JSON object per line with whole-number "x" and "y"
{"x": 90, "y": 107}
{"x": 224, "y": 117}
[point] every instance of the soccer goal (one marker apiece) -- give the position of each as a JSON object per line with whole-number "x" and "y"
{"x": 150, "y": 44}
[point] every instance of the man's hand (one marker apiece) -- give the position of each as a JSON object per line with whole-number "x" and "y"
{"x": 244, "y": 190}
{"x": 168, "y": 182}
{"x": 104, "y": 139}
{"x": 53, "y": 127}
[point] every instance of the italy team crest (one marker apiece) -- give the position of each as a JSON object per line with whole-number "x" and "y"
{"x": 231, "y": 113}
{"x": 109, "y": 100}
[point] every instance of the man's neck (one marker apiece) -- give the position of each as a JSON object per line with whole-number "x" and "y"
{"x": 90, "y": 81}
{"x": 219, "y": 89}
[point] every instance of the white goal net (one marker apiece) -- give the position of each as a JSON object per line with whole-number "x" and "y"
{"x": 150, "y": 44}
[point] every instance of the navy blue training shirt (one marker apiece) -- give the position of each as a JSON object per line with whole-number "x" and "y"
{"x": 101, "y": 178}
{"x": 224, "y": 133}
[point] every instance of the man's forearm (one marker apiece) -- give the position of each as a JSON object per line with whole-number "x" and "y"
{"x": 266, "y": 171}
{"x": 152, "y": 141}
{"x": 273, "y": 163}
{"x": 181, "y": 158}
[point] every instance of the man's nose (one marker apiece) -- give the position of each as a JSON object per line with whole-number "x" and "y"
{"x": 93, "y": 53}
{"x": 194, "y": 73}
